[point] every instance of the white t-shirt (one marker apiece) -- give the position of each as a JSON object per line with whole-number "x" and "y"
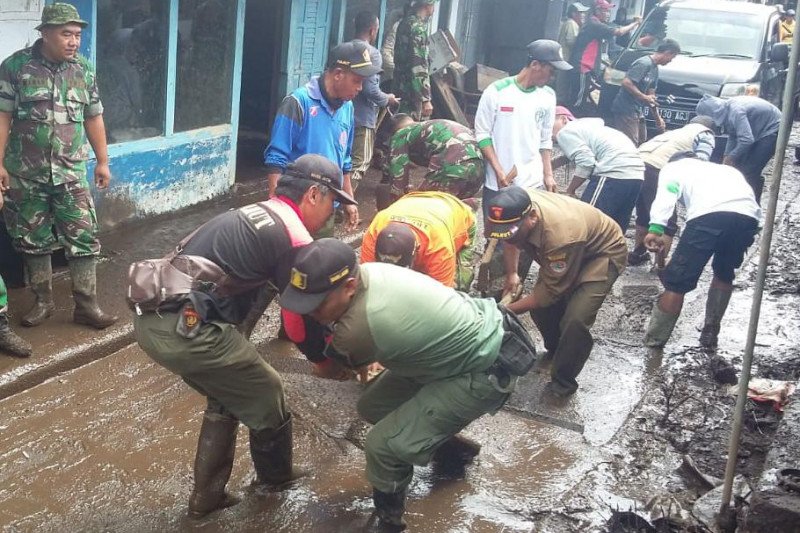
{"x": 518, "y": 123}
{"x": 704, "y": 188}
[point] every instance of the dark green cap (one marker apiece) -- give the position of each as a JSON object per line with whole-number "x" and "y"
{"x": 60, "y": 13}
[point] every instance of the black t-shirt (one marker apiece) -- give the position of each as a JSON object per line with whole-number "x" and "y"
{"x": 251, "y": 244}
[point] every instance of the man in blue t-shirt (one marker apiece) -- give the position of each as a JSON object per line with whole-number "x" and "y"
{"x": 638, "y": 91}
{"x": 318, "y": 118}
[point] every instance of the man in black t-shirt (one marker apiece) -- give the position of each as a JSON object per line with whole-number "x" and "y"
{"x": 638, "y": 91}
{"x": 197, "y": 338}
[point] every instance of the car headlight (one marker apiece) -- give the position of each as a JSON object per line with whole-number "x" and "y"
{"x": 740, "y": 89}
{"x": 613, "y": 76}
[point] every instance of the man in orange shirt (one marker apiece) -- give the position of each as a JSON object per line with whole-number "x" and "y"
{"x": 430, "y": 232}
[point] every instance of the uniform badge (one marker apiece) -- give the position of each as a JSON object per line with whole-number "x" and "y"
{"x": 313, "y": 110}
{"x": 497, "y": 212}
{"x": 190, "y": 317}
{"x": 343, "y": 139}
{"x": 558, "y": 266}
{"x": 299, "y": 279}
{"x": 366, "y": 56}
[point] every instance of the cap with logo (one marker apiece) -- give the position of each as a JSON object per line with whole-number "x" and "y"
{"x": 548, "y": 51}
{"x": 603, "y": 5}
{"x": 60, "y": 13}
{"x": 396, "y": 244}
{"x": 318, "y": 269}
{"x": 353, "y": 56}
{"x": 506, "y": 210}
{"x": 317, "y": 168}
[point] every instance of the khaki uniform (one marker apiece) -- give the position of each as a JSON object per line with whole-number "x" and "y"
{"x": 581, "y": 252}
{"x": 437, "y": 346}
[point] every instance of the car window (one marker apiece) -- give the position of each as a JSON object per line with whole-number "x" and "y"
{"x": 702, "y": 32}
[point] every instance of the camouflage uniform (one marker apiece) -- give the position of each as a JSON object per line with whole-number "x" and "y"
{"x": 412, "y": 83}
{"x": 3, "y": 297}
{"x": 47, "y": 152}
{"x": 449, "y": 151}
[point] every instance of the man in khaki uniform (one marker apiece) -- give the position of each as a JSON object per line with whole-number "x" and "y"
{"x": 580, "y": 251}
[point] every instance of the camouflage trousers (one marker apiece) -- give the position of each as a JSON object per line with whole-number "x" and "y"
{"x": 465, "y": 271}
{"x": 3, "y": 297}
{"x": 34, "y": 209}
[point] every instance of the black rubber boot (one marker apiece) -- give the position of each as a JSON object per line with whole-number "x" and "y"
{"x": 271, "y": 450}
{"x": 40, "y": 280}
{"x": 213, "y": 465}
{"x": 389, "y": 508}
{"x": 84, "y": 290}
{"x": 716, "y": 305}
{"x": 10, "y": 342}
{"x": 660, "y": 327}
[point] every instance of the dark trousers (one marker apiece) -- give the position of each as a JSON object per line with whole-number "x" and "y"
{"x": 565, "y": 328}
{"x": 614, "y": 197}
{"x": 752, "y": 162}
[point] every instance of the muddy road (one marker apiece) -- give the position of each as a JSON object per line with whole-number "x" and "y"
{"x": 109, "y": 445}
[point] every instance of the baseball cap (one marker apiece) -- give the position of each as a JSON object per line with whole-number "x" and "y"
{"x": 317, "y": 168}
{"x": 318, "y": 269}
{"x": 506, "y": 211}
{"x": 60, "y": 13}
{"x": 603, "y": 4}
{"x": 353, "y": 56}
{"x": 563, "y": 111}
{"x": 577, "y": 6}
{"x": 790, "y": 12}
{"x": 396, "y": 244}
{"x": 549, "y": 51}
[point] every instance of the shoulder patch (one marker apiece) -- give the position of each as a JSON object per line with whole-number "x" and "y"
{"x": 673, "y": 187}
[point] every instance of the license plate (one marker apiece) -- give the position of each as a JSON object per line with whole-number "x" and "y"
{"x": 670, "y": 115}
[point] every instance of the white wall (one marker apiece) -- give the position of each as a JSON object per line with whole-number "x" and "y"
{"x": 17, "y": 20}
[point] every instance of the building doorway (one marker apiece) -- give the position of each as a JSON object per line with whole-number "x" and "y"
{"x": 264, "y": 48}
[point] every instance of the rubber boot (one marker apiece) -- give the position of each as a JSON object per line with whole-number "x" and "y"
{"x": 213, "y": 465}
{"x": 659, "y": 328}
{"x": 40, "y": 280}
{"x": 271, "y": 450}
{"x": 10, "y": 342}
{"x": 389, "y": 508}
{"x": 716, "y": 305}
{"x": 84, "y": 290}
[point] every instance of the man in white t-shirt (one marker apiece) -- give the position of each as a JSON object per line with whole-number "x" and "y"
{"x": 514, "y": 123}
{"x": 722, "y": 219}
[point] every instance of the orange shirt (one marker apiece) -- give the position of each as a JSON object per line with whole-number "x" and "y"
{"x": 442, "y": 225}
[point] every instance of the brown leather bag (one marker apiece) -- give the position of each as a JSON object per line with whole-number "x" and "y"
{"x": 153, "y": 282}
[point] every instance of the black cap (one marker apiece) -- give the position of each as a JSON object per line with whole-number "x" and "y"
{"x": 505, "y": 212}
{"x": 319, "y": 268}
{"x": 317, "y": 168}
{"x": 355, "y": 56}
{"x": 396, "y": 244}
{"x": 547, "y": 51}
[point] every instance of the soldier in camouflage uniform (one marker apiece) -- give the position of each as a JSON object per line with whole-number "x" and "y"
{"x": 48, "y": 107}
{"x": 412, "y": 83}
{"x": 447, "y": 149}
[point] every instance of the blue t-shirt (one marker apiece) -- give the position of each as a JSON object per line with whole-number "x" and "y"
{"x": 307, "y": 124}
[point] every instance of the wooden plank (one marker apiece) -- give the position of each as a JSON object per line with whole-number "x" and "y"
{"x": 445, "y": 103}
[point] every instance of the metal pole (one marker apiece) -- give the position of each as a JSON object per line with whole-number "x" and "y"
{"x": 764, "y": 250}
